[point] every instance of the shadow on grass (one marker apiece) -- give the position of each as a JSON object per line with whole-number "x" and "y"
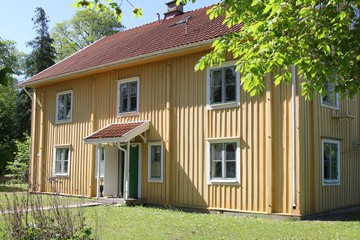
{"x": 349, "y": 215}
{"x": 13, "y": 187}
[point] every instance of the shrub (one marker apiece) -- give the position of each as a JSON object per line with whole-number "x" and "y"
{"x": 27, "y": 217}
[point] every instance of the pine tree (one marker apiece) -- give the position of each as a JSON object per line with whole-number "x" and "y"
{"x": 43, "y": 54}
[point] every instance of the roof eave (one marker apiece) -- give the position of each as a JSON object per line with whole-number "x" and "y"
{"x": 104, "y": 67}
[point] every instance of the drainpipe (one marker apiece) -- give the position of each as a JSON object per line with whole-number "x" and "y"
{"x": 125, "y": 168}
{"x": 293, "y": 83}
{"x": 98, "y": 172}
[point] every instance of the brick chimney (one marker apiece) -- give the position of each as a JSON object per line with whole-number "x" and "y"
{"x": 173, "y": 10}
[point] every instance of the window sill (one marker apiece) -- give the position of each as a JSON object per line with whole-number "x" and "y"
{"x": 330, "y": 183}
{"x": 222, "y": 105}
{"x": 128, "y": 114}
{"x": 61, "y": 175}
{"x": 224, "y": 182}
{"x": 63, "y": 121}
{"x": 335, "y": 107}
{"x": 155, "y": 180}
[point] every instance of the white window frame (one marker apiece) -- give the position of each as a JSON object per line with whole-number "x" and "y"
{"x": 327, "y": 104}
{"x": 150, "y": 178}
{"x": 235, "y": 181}
{"x": 127, "y": 80}
{"x": 331, "y": 182}
{"x": 236, "y": 102}
{"x": 96, "y": 164}
{"x": 57, "y": 106}
{"x": 62, "y": 174}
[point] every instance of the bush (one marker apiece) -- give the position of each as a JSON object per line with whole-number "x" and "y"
{"x": 19, "y": 168}
{"x": 26, "y": 217}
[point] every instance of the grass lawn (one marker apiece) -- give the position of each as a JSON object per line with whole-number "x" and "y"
{"x": 149, "y": 223}
{"x": 9, "y": 191}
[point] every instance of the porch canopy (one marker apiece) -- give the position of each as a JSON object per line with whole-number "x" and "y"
{"x": 118, "y": 132}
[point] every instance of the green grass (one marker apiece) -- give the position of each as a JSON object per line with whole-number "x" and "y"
{"x": 16, "y": 187}
{"x": 112, "y": 222}
{"x": 150, "y": 223}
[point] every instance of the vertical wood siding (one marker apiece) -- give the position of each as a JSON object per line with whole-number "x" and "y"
{"x": 173, "y": 98}
{"x": 319, "y": 123}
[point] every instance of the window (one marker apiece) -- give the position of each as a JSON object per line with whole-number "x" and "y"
{"x": 64, "y": 106}
{"x": 224, "y": 161}
{"x": 128, "y": 96}
{"x": 155, "y": 164}
{"x": 331, "y": 99}
{"x": 62, "y": 161}
{"x": 102, "y": 163}
{"x": 223, "y": 87}
{"x": 331, "y": 162}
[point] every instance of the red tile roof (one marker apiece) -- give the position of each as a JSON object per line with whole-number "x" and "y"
{"x": 113, "y": 131}
{"x": 139, "y": 41}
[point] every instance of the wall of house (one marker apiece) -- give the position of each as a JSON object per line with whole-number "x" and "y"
{"x": 50, "y": 134}
{"x": 319, "y": 123}
{"x": 173, "y": 98}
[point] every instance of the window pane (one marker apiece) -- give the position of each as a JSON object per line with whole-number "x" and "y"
{"x": 230, "y": 93}
{"x": 68, "y": 106}
{"x": 230, "y": 76}
{"x": 216, "y": 169}
{"x": 216, "y": 77}
{"x": 216, "y": 94}
{"x": 156, "y": 161}
{"x": 133, "y": 93}
{"x": 331, "y": 97}
{"x": 216, "y": 86}
{"x": 57, "y": 167}
{"x": 230, "y": 151}
{"x": 230, "y": 80}
{"x": 66, "y": 165}
{"x": 230, "y": 170}
{"x": 216, "y": 151}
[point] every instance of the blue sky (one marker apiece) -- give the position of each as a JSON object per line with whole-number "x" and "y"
{"x": 16, "y": 24}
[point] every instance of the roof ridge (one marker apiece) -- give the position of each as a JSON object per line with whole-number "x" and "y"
{"x": 162, "y": 20}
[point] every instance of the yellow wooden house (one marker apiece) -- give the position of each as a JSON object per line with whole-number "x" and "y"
{"x": 129, "y": 117}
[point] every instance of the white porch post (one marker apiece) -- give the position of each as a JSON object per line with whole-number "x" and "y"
{"x": 125, "y": 168}
{"x": 127, "y": 160}
{"x": 98, "y": 171}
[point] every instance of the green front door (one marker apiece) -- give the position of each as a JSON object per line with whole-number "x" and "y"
{"x": 134, "y": 171}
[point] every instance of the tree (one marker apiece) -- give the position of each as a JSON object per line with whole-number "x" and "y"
{"x": 84, "y": 28}
{"x": 11, "y": 62}
{"x": 321, "y": 37}
{"x": 43, "y": 53}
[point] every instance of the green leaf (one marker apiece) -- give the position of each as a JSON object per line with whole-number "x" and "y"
{"x": 327, "y": 48}
{"x": 342, "y": 15}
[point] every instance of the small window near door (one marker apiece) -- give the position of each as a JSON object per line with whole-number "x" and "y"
{"x": 102, "y": 163}
{"x": 155, "y": 162}
{"x": 331, "y": 162}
